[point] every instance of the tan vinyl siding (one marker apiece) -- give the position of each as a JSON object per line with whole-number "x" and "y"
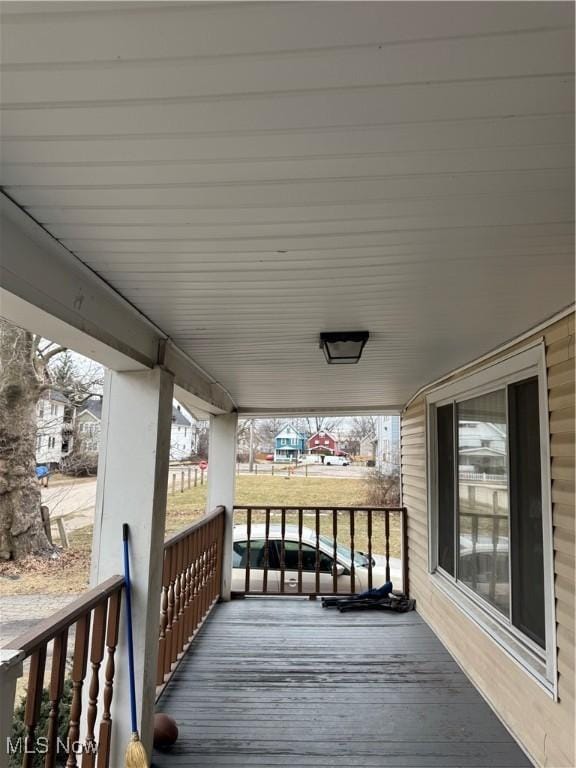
{"x": 545, "y": 728}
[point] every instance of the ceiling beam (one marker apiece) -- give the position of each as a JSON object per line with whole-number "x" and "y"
{"x": 45, "y": 289}
{"x": 319, "y": 410}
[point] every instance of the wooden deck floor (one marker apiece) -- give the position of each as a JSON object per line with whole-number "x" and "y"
{"x": 283, "y": 682}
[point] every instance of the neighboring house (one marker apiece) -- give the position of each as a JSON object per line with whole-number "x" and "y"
{"x": 289, "y": 444}
{"x": 88, "y": 421}
{"x": 388, "y": 444}
{"x": 88, "y": 424}
{"x": 182, "y": 436}
{"x": 481, "y": 447}
{"x": 323, "y": 443}
{"x": 55, "y": 417}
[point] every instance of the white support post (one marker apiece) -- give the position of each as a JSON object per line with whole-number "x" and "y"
{"x": 131, "y": 488}
{"x": 221, "y": 482}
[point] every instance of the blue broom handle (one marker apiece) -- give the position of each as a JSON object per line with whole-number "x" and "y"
{"x": 129, "y": 629}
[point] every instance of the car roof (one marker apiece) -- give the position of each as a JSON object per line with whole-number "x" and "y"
{"x": 258, "y": 531}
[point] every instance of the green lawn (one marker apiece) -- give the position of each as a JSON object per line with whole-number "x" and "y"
{"x": 70, "y": 573}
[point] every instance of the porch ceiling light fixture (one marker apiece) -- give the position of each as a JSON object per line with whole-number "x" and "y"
{"x": 343, "y": 347}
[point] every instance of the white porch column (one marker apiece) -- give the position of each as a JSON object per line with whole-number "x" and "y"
{"x": 131, "y": 488}
{"x": 221, "y": 482}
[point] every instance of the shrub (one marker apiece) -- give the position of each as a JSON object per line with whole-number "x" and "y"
{"x": 19, "y": 728}
{"x": 383, "y": 490}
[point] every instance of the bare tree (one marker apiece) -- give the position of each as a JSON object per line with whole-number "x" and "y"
{"x": 266, "y": 430}
{"x": 26, "y": 362}
{"x": 362, "y": 427}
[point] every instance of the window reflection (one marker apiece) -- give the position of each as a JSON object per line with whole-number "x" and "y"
{"x": 483, "y": 507}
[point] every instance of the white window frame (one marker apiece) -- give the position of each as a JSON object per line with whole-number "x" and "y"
{"x": 523, "y": 364}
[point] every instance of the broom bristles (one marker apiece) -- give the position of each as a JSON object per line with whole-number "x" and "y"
{"x": 136, "y": 756}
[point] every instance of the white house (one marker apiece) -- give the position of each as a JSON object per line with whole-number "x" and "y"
{"x": 183, "y": 438}
{"x": 388, "y": 443}
{"x": 182, "y": 435}
{"x": 54, "y": 431}
{"x": 88, "y": 420}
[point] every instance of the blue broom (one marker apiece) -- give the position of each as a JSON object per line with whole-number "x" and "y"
{"x": 136, "y": 756}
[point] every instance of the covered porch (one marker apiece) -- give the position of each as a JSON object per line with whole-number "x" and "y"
{"x": 284, "y": 682}
{"x": 191, "y": 194}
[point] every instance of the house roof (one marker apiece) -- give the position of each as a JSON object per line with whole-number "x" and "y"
{"x": 93, "y": 407}
{"x": 53, "y": 394}
{"x": 291, "y": 428}
{"x": 179, "y": 418}
{"x": 323, "y": 433}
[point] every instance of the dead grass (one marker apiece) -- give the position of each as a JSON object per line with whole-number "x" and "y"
{"x": 68, "y": 573}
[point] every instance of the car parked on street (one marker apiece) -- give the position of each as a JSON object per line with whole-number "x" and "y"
{"x": 337, "y": 461}
{"x": 328, "y": 564}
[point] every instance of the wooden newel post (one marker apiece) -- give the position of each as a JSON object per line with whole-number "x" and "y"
{"x": 10, "y": 671}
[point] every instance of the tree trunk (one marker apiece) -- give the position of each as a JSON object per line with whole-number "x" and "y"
{"x": 21, "y": 529}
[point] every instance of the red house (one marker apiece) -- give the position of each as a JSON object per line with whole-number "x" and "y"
{"x": 323, "y": 443}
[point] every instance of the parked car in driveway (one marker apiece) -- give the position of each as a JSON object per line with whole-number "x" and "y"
{"x": 342, "y": 564}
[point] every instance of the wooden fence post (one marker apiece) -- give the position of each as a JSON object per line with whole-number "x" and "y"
{"x": 173, "y": 482}
{"x": 195, "y": 476}
{"x": 182, "y": 481}
{"x": 189, "y": 477}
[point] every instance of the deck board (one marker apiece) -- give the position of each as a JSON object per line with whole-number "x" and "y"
{"x": 283, "y": 682}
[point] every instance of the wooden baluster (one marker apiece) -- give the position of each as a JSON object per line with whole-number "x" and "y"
{"x": 387, "y": 543}
{"x": 405, "y": 571}
{"x": 369, "y": 534}
{"x": 212, "y": 562}
{"x": 96, "y": 655}
{"x": 163, "y": 619}
{"x": 188, "y": 590}
{"x": 182, "y": 570}
{"x": 300, "y": 520}
{"x": 248, "y": 533}
{"x": 206, "y": 568}
{"x": 79, "y": 664}
{"x": 352, "y": 563}
{"x": 174, "y": 594}
{"x": 33, "y": 701}
{"x": 335, "y": 550}
{"x": 170, "y": 554}
{"x": 282, "y": 549}
{"x": 209, "y": 572}
{"x": 111, "y": 643}
{"x": 177, "y": 598}
{"x": 317, "y": 549}
{"x": 200, "y": 575}
{"x": 55, "y": 693}
{"x": 266, "y": 551}
{"x": 219, "y": 550}
{"x": 204, "y": 571}
{"x": 195, "y": 581}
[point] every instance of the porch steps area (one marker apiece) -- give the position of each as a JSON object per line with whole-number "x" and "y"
{"x": 284, "y": 682}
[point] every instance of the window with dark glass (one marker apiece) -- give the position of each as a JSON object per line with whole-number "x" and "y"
{"x": 489, "y": 501}
{"x": 445, "y": 450}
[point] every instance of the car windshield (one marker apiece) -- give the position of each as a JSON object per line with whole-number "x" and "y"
{"x": 343, "y": 552}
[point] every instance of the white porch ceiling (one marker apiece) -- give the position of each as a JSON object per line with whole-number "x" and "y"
{"x": 248, "y": 175}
